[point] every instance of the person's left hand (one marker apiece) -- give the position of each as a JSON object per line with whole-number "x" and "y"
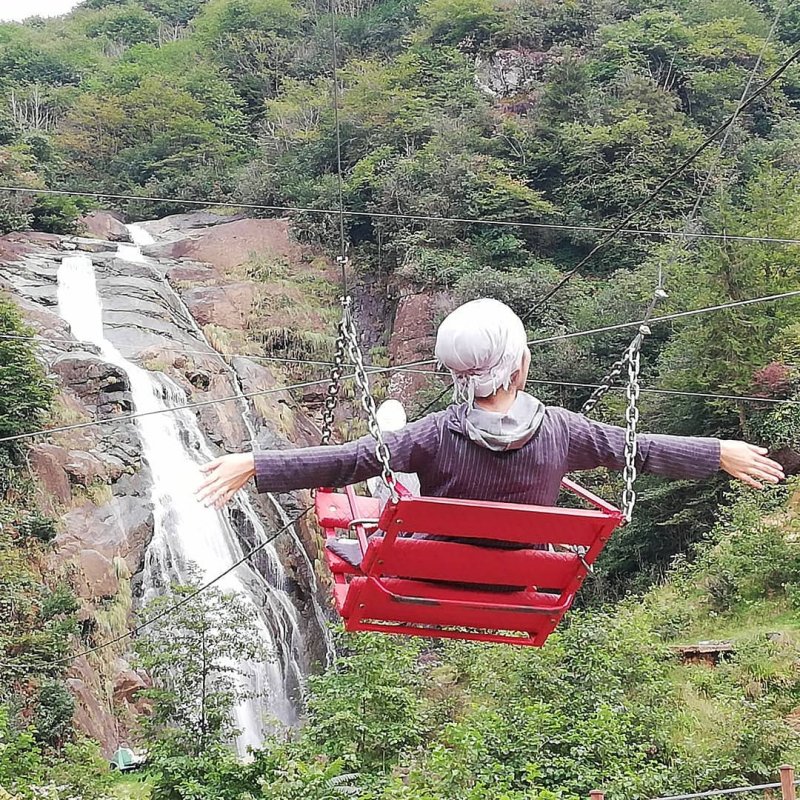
{"x": 224, "y": 477}
{"x": 749, "y": 464}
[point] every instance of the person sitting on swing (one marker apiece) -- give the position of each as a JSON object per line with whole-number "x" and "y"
{"x": 498, "y": 443}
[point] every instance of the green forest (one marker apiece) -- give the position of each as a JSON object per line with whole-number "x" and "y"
{"x": 557, "y": 119}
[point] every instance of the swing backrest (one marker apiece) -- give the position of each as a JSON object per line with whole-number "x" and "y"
{"x": 398, "y": 551}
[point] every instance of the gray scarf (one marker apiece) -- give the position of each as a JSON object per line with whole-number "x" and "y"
{"x": 509, "y": 430}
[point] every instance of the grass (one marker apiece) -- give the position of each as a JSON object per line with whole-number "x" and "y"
{"x": 131, "y": 786}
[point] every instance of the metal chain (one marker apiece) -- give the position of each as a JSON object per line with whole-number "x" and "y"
{"x": 367, "y": 400}
{"x": 633, "y": 359}
{"x": 605, "y": 385}
{"x": 332, "y": 396}
{"x": 616, "y": 368}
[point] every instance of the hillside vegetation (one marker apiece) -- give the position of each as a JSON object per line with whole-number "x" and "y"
{"x": 530, "y": 111}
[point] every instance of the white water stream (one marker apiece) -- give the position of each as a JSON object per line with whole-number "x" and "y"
{"x": 186, "y": 533}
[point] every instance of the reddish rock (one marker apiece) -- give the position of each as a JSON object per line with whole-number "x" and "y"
{"x": 120, "y": 528}
{"x": 413, "y": 339}
{"x": 127, "y": 684}
{"x": 90, "y": 715}
{"x": 226, "y": 306}
{"x": 48, "y": 462}
{"x": 99, "y": 577}
{"x": 104, "y": 225}
{"x": 15, "y": 246}
{"x": 192, "y": 273}
{"x": 788, "y": 458}
{"x": 233, "y": 243}
{"x": 84, "y": 468}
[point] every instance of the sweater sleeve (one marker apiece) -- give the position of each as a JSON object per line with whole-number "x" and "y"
{"x": 410, "y": 450}
{"x": 594, "y": 444}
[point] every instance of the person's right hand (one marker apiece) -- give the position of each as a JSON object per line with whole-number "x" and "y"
{"x": 224, "y": 477}
{"x": 749, "y": 463}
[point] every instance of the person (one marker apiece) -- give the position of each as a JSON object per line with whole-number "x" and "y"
{"x": 496, "y": 443}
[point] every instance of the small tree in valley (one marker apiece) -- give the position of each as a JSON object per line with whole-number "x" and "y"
{"x": 194, "y": 656}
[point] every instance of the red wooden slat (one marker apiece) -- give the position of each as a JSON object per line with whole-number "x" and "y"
{"x": 501, "y": 521}
{"x": 525, "y": 639}
{"x": 465, "y": 563}
{"x": 397, "y": 600}
{"x": 333, "y": 509}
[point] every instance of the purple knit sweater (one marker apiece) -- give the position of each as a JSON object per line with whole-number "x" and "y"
{"x": 449, "y": 464}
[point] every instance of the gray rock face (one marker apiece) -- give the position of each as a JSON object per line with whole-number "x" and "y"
{"x": 92, "y": 476}
{"x": 513, "y": 73}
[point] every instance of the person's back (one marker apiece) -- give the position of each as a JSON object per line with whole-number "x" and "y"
{"x": 497, "y": 444}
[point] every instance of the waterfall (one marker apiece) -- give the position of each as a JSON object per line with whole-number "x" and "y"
{"x": 186, "y": 532}
{"x": 141, "y": 238}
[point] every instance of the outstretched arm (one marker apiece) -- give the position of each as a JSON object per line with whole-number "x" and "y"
{"x": 593, "y": 444}
{"x": 309, "y": 467}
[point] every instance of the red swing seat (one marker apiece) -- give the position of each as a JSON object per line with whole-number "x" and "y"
{"x": 451, "y": 589}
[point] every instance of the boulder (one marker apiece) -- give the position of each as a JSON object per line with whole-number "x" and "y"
{"x": 85, "y": 468}
{"x": 49, "y": 462}
{"x": 226, "y": 306}
{"x": 98, "y": 383}
{"x": 99, "y": 576}
{"x": 233, "y": 243}
{"x": 127, "y": 685}
{"x": 104, "y": 225}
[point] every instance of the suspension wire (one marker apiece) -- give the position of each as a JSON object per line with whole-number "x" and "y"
{"x": 166, "y": 611}
{"x": 139, "y": 355}
{"x": 730, "y": 128}
{"x": 399, "y": 367}
{"x": 667, "y": 317}
{"x": 398, "y": 215}
{"x": 415, "y": 369}
{"x": 183, "y": 407}
{"x": 690, "y": 159}
{"x": 671, "y": 392}
{"x": 622, "y": 325}
{"x": 337, "y": 124}
{"x": 728, "y": 131}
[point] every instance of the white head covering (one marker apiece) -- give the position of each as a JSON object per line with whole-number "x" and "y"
{"x": 482, "y": 344}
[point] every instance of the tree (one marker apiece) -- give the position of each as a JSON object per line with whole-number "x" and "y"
{"x": 193, "y": 656}
{"x": 25, "y": 389}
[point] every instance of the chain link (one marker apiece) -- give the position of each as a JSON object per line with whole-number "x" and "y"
{"x": 332, "y": 396}
{"x": 633, "y": 360}
{"x": 367, "y": 400}
{"x": 605, "y": 384}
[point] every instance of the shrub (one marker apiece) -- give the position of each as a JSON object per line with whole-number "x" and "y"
{"x": 35, "y": 525}
{"x": 55, "y": 706}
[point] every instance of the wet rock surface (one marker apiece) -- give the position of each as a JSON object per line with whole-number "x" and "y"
{"x": 92, "y": 477}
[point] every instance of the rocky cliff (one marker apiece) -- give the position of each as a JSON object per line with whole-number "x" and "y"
{"x": 252, "y": 294}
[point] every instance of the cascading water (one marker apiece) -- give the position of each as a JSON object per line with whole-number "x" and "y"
{"x": 141, "y": 238}
{"x": 186, "y": 532}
